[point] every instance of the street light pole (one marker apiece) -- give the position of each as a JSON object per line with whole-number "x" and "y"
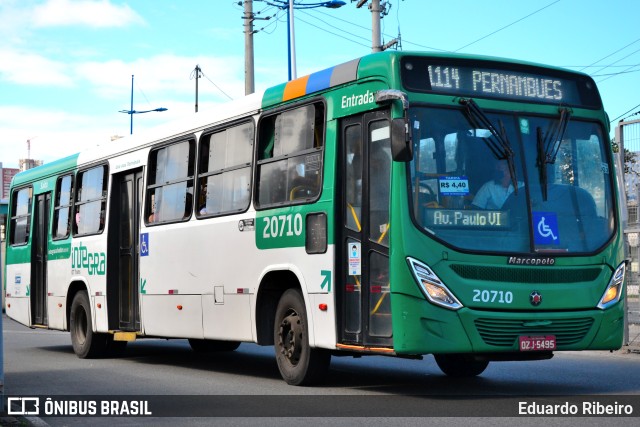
{"x": 290, "y": 5}
{"x": 292, "y": 43}
{"x": 131, "y": 111}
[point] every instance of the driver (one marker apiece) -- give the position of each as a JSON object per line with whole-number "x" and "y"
{"x": 494, "y": 193}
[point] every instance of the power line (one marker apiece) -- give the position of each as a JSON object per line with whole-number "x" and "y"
{"x": 507, "y": 26}
{"x": 611, "y": 54}
{"x": 619, "y": 72}
{"x": 270, "y": 18}
{"x": 211, "y": 81}
{"x": 332, "y": 26}
{"x": 330, "y": 32}
{"x": 368, "y": 29}
{"x": 587, "y": 66}
{"x": 632, "y": 53}
{"x": 142, "y": 93}
{"x": 624, "y": 113}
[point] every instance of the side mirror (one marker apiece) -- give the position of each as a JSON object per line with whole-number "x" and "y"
{"x": 401, "y": 148}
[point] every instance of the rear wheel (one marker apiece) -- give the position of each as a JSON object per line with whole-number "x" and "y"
{"x": 86, "y": 343}
{"x": 460, "y": 365}
{"x": 299, "y": 364}
{"x": 212, "y": 346}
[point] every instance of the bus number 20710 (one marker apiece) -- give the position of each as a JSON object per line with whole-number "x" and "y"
{"x": 282, "y": 225}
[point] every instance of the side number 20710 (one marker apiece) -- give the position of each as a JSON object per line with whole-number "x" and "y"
{"x": 282, "y": 225}
{"x": 500, "y": 297}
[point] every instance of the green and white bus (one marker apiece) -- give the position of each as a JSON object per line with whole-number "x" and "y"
{"x": 399, "y": 204}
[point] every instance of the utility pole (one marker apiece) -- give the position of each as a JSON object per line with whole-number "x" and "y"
{"x": 374, "y": 7}
{"x": 376, "y": 39}
{"x": 197, "y": 76}
{"x": 377, "y": 11}
{"x": 248, "y": 47}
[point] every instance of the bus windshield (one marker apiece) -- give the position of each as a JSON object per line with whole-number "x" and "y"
{"x": 528, "y": 184}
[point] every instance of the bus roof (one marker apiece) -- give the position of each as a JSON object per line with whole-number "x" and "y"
{"x": 372, "y": 65}
{"x": 66, "y": 163}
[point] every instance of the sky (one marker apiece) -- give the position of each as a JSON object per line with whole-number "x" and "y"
{"x": 66, "y": 65}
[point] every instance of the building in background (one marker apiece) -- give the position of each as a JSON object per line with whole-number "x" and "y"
{"x": 29, "y": 164}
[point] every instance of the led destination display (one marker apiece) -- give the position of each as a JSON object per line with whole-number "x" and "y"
{"x": 489, "y": 80}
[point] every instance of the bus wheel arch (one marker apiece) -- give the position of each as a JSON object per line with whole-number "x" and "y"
{"x": 74, "y": 288}
{"x": 272, "y": 286}
{"x": 86, "y": 343}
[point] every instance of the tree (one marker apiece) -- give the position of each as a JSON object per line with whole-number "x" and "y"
{"x": 630, "y": 159}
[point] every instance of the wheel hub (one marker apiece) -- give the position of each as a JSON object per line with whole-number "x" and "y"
{"x": 291, "y": 338}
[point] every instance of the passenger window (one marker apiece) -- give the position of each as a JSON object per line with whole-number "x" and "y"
{"x": 224, "y": 173}
{"x": 91, "y": 198}
{"x": 21, "y": 216}
{"x": 290, "y": 157}
{"x": 62, "y": 209}
{"x": 170, "y": 188}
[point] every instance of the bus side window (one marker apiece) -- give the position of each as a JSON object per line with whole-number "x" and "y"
{"x": 224, "y": 171}
{"x": 21, "y": 216}
{"x": 62, "y": 209}
{"x": 91, "y": 199}
{"x": 170, "y": 184}
{"x": 290, "y": 156}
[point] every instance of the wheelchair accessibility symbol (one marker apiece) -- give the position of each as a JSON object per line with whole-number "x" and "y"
{"x": 546, "y": 228}
{"x": 144, "y": 244}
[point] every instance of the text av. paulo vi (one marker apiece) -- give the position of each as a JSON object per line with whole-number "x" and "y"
{"x": 467, "y": 218}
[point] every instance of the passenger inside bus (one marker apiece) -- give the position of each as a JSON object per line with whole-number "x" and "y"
{"x": 495, "y": 192}
{"x": 202, "y": 205}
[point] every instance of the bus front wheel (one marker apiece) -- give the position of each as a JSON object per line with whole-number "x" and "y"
{"x": 460, "y": 365}
{"x": 299, "y": 364}
{"x": 86, "y": 343}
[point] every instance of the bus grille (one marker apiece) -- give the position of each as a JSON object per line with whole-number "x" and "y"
{"x": 526, "y": 275}
{"x": 505, "y": 333}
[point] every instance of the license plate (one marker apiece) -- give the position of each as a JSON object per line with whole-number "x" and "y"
{"x": 538, "y": 343}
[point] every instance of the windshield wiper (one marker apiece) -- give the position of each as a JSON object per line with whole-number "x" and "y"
{"x": 549, "y": 146}
{"x": 499, "y": 145}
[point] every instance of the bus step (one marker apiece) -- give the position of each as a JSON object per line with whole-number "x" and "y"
{"x": 38, "y": 326}
{"x": 365, "y": 349}
{"x": 124, "y": 336}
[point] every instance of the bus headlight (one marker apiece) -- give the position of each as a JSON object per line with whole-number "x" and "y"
{"x": 432, "y": 287}
{"x": 614, "y": 291}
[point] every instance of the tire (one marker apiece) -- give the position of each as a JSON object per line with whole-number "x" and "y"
{"x": 86, "y": 343}
{"x": 212, "y": 346}
{"x": 460, "y": 365}
{"x": 299, "y": 364}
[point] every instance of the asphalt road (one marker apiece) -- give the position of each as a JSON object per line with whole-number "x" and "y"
{"x": 245, "y": 388}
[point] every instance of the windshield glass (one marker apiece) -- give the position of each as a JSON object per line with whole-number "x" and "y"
{"x": 472, "y": 196}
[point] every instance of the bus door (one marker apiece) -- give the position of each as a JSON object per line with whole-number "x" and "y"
{"x": 123, "y": 258}
{"x": 39, "y": 259}
{"x": 363, "y": 236}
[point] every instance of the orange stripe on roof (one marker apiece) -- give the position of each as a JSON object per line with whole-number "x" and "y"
{"x": 295, "y": 88}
